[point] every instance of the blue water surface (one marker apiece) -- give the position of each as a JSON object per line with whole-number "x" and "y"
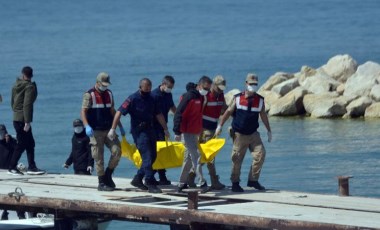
{"x": 69, "y": 42}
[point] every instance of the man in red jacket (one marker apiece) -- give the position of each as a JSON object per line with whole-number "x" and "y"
{"x": 188, "y": 123}
{"x": 214, "y": 106}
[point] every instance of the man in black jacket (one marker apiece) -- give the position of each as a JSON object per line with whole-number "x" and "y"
{"x": 24, "y": 94}
{"x": 80, "y": 154}
{"x": 7, "y": 146}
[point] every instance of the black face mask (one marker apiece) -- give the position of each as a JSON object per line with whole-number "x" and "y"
{"x": 144, "y": 94}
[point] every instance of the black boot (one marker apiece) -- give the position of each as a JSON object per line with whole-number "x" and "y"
{"x": 236, "y": 187}
{"x": 137, "y": 182}
{"x": 203, "y": 185}
{"x": 152, "y": 187}
{"x": 109, "y": 180}
{"x": 102, "y": 185}
{"x": 256, "y": 185}
{"x": 163, "y": 179}
{"x": 180, "y": 188}
{"x": 215, "y": 183}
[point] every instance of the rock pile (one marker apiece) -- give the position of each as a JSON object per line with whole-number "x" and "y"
{"x": 340, "y": 88}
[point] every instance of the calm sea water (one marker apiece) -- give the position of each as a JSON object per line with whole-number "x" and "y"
{"x": 69, "y": 42}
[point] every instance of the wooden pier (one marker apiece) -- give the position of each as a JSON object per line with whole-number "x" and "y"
{"x": 71, "y": 196}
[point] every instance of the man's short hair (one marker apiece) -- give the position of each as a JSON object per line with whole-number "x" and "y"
{"x": 190, "y": 86}
{"x": 169, "y": 79}
{"x": 205, "y": 79}
{"x": 145, "y": 79}
{"x": 27, "y": 71}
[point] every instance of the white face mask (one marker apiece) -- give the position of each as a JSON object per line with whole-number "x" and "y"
{"x": 78, "y": 129}
{"x": 102, "y": 88}
{"x": 168, "y": 90}
{"x": 203, "y": 92}
{"x": 251, "y": 88}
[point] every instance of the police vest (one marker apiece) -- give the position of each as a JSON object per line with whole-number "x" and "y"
{"x": 246, "y": 117}
{"x": 212, "y": 110}
{"x": 99, "y": 115}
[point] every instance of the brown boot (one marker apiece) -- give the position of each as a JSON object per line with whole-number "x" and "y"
{"x": 215, "y": 183}
{"x": 191, "y": 180}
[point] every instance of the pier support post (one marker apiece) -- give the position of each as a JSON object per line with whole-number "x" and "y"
{"x": 344, "y": 185}
{"x": 192, "y": 198}
{"x": 86, "y": 224}
{"x": 63, "y": 224}
{"x": 75, "y": 224}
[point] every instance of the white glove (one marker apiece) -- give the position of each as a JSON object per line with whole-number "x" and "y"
{"x": 27, "y": 127}
{"x": 218, "y": 130}
{"x": 89, "y": 169}
{"x": 177, "y": 138}
{"x": 65, "y": 166}
{"x": 111, "y": 134}
{"x": 269, "y": 136}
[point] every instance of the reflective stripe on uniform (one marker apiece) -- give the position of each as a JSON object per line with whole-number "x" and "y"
{"x": 97, "y": 105}
{"x": 210, "y": 118}
{"x": 215, "y": 103}
{"x": 245, "y": 107}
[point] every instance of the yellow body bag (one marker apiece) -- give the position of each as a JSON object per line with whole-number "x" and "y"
{"x": 210, "y": 149}
{"x": 170, "y": 154}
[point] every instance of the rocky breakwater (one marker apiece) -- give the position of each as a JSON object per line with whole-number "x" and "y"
{"x": 340, "y": 88}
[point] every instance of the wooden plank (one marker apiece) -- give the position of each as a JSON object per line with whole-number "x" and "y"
{"x": 79, "y": 193}
{"x": 301, "y": 213}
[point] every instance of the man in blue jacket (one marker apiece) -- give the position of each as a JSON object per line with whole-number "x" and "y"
{"x": 143, "y": 110}
{"x": 163, "y": 96}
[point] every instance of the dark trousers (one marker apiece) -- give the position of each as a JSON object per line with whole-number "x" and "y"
{"x": 161, "y": 137}
{"x": 82, "y": 172}
{"x": 25, "y": 141}
{"x": 146, "y": 144}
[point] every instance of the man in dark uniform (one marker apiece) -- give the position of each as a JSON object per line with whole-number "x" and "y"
{"x": 80, "y": 154}
{"x": 163, "y": 96}
{"x": 143, "y": 110}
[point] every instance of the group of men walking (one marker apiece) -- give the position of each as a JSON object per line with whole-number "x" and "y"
{"x": 200, "y": 115}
